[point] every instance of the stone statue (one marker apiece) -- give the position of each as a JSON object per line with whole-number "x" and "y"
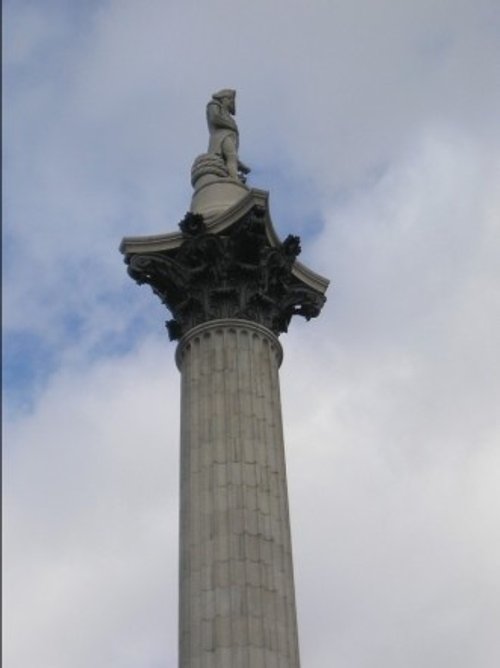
{"x": 218, "y": 176}
{"x": 224, "y": 136}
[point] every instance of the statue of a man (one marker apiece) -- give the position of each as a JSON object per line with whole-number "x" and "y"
{"x": 224, "y": 136}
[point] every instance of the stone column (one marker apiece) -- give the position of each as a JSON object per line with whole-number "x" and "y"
{"x": 232, "y": 287}
{"x": 237, "y": 604}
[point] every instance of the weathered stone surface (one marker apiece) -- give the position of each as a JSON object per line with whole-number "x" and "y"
{"x": 232, "y": 286}
{"x": 224, "y": 138}
{"x": 218, "y": 176}
{"x": 234, "y": 268}
{"x": 213, "y": 195}
{"x": 237, "y": 602}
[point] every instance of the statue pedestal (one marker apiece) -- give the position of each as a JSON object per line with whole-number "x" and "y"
{"x": 214, "y": 195}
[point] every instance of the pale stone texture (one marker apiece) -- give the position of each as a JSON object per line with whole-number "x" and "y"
{"x": 218, "y": 176}
{"x": 214, "y": 195}
{"x": 231, "y": 286}
{"x": 237, "y": 602}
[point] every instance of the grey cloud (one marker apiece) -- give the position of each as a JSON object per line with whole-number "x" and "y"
{"x": 91, "y": 501}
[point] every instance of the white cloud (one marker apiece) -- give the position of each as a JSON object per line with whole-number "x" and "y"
{"x": 91, "y": 503}
{"x": 394, "y": 456}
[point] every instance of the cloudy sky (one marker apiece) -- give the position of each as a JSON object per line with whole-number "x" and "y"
{"x": 374, "y": 124}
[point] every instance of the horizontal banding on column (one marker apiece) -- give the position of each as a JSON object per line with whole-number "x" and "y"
{"x": 207, "y": 328}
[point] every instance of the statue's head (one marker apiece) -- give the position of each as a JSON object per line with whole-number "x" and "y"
{"x": 227, "y": 97}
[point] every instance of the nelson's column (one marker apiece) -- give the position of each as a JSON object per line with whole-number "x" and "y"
{"x": 232, "y": 287}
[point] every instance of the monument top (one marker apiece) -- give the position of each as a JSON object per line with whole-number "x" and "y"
{"x": 227, "y": 260}
{"x": 219, "y": 176}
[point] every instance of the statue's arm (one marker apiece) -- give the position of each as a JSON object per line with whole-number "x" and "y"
{"x": 218, "y": 120}
{"x": 245, "y": 169}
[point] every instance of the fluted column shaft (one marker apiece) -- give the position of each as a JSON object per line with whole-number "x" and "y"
{"x": 237, "y": 602}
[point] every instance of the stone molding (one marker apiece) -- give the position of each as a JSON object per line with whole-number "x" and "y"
{"x": 236, "y": 598}
{"x": 230, "y": 268}
{"x": 158, "y": 243}
{"x": 231, "y": 324}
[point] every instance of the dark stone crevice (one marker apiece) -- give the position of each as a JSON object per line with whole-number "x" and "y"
{"x": 237, "y": 273}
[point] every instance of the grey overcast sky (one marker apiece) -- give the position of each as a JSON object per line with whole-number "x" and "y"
{"x": 375, "y": 127}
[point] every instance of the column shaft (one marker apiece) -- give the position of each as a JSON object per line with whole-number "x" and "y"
{"x": 237, "y": 602}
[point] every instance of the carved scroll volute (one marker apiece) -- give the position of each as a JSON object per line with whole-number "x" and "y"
{"x": 236, "y": 273}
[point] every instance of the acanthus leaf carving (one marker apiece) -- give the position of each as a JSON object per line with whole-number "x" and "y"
{"x": 236, "y": 273}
